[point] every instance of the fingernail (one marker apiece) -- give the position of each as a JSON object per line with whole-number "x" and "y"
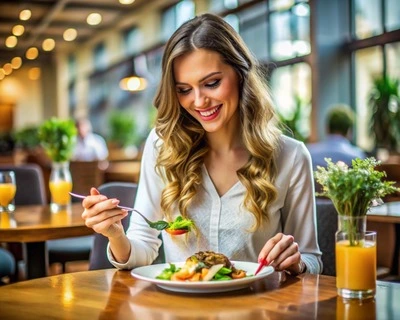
{"x": 114, "y": 201}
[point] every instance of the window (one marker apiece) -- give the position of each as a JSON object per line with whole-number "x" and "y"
{"x": 251, "y": 24}
{"x": 72, "y": 84}
{"x": 291, "y": 87}
{"x": 376, "y": 48}
{"x": 131, "y": 41}
{"x": 71, "y": 67}
{"x": 173, "y": 17}
{"x": 290, "y": 32}
{"x": 368, "y": 64}
{"x": 392, "y": 12}
{"x": 100, "y": 57}
{"x": 367, "y": 18}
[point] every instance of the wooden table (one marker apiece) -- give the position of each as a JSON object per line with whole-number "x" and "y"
{"x": 33, "y": 225}
{"x": 110, "y": 294}
{"x": 389, "y": 213}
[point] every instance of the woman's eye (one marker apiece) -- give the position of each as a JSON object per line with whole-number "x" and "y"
{"x": 213, "y": 84}
{"x": 182, "y": 90}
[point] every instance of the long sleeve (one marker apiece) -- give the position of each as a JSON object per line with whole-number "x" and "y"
{"x": 299, "y": 210}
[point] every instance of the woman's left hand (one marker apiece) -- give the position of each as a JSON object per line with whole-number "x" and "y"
{"x": 282, "y": 252}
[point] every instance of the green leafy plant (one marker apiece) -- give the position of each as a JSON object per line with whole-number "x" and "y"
{"x": 291, "y": 124}
{"x": 122, "y": 128}
{"x": 353, "y": 190}
{"x": 27, "y": 138}
{"x": 58, "y": 138}
{"x": 384, "y": 100}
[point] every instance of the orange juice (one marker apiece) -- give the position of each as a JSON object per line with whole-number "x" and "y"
{"x": 59, "y": 192}
{"x": 7, "y": 193}
{"x": 355, "y": 309}
{"x": 355, "y": 265}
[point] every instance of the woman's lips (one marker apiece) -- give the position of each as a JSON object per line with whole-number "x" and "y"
{"x": 210, "y": 113}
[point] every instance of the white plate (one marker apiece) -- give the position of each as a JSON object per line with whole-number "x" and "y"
{"x": 149, "y": 273}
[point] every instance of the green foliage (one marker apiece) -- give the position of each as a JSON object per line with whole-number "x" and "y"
{"x": 58, "y": 138}
{"x": 353, "y": 190}
{"x": 122, "y": 128}
{"x": 27, "y": 138}
{"x": 384, "y": 101}
{"x": 290, "y": 125}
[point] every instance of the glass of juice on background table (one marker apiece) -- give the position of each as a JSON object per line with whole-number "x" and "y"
{"x": 8, "y": 189}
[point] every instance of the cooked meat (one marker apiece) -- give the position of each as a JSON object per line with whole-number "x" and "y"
{"x": 210, "y": 258}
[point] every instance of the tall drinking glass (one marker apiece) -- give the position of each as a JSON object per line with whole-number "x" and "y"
{"x": 7, "y": 191}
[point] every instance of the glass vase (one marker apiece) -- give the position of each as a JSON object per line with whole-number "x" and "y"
{"x": 60, "y": 185}
{"x": 355, "y": 258}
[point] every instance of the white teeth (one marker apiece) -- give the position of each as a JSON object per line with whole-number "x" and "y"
{"x": 208, "y": 113}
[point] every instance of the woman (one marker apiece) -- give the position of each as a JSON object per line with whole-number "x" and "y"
{"x": 216, "y": 156}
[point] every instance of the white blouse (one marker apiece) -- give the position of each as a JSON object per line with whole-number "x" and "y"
{"x": 222, "y": 223}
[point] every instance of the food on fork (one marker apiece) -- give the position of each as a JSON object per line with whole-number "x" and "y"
{"x": 203, "y": 266}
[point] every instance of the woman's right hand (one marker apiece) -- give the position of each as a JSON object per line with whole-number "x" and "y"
{"x": 102, "y": 215}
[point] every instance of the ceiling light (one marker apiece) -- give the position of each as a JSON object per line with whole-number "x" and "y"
{"x": 11, "y": 41}
{"x": 70, "y": 34}
{"x": 34, "y": 73}
{"x": 16, "y": 62}
{"x": 7, "y": 69}
{"x": 126, "y": 1}
{"x": 94, "y": 19}
{"x": 32, "y": 53}
{"x": 18, "y": 30}
{"x": 48, "y": 44}
{"x": 133, "y": 83}
{"x": 25, "y": 14}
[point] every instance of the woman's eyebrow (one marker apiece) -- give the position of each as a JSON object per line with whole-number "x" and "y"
{"x": 204, "y": 78}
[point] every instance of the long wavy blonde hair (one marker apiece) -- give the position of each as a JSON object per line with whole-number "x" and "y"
{"x": 184, "y": 146}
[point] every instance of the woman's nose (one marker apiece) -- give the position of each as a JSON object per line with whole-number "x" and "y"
{"x": 199, "y": 99}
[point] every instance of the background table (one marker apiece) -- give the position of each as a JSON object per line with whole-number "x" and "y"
{"x": 110, "y": 294}
{"x": 33, "y": 225}
{"x": 389, "y": 213}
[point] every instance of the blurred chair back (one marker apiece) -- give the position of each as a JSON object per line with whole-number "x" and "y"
{"x": 327, "y": 224}
{"x": 126, "y": 193}
{"x": 7, "y": 265}
{"x": 30, "y": 184}
{"x": 392, "y": 174}
{"x": 86, "y": 174}
{"x": 30, "y": 190}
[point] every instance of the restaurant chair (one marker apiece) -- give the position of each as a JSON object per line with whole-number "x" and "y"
{"x": 7, "y": 266}
{"x": 327, "y": 225}
{"x": 126, "y": 193}
{"x": 30, "y": 191}
{"x": 392, "y": 174}
{"x": 86, "y": 174}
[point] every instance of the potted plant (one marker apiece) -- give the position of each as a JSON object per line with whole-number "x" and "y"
{"x": 291, "y": 125}
{"x": 58, "y": 138}
{"x": 384, "y": 101}
{"x": 122, "y": 136}
{"x": 353, "y": 190}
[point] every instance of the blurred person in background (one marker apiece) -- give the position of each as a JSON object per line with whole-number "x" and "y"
{"x": 89, "y": 146}
{"x": 337, "y": 144}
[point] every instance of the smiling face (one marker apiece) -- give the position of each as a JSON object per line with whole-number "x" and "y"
{"x": 208, "y": 89}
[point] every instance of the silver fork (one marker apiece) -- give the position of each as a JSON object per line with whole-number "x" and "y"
{"x": 159, "y": 225}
